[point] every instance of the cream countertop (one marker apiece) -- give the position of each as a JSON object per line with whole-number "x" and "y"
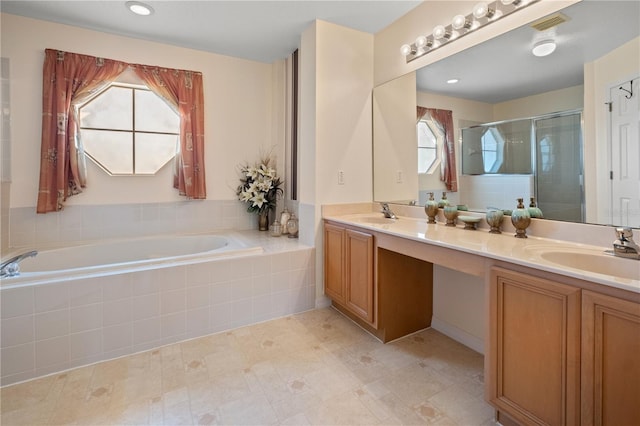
{"x": 534, "y": 252}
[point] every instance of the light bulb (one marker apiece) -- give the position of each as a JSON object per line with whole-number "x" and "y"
{"x": 405, "y": 49}
{"x": 439, "y": 32}
{"x": 459, "y": 21}
{"x": 480, "y": 10}
{"x": 421, "y": 41}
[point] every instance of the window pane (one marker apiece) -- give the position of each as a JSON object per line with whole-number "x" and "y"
{"x": 426, "y": 158}
{"x": 112, "y": 150}
{"x": 154, "y": 115}
{"x": 110, "y": 110}
{"x": 153, "y": 152}
{"x": 426, "y": 138}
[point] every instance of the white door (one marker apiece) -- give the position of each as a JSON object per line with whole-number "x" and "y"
{"x": 625, "y": 153}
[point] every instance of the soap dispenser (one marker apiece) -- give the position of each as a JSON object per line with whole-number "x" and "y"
{"x": 534, "y": 211}
{"x": 443, "y": 201}
{"x": 520, "y": 219}
{"x": 431, "y": 208}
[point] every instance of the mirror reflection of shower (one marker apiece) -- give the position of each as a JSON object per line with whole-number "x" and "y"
{"x": 544, "y": 153}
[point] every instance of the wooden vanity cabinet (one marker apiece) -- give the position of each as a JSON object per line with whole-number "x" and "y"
{"x": 610, "y": 360}
{"x": 389, "y": 294}
{"x": 348, "y": 259}
{"x": 562, "y": 354}
{"x": 534, "y": 353}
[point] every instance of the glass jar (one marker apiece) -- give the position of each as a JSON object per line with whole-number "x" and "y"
{"x": 284, "y": 218}
{"x": 276, "y": 229}
{"x": 292, "y": 226}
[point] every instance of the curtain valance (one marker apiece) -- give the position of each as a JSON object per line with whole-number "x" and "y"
{"x": 71, "y": 78}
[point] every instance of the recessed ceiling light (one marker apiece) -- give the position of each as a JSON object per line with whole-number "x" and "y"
{"x": 139, "y": 8}
{"x": 453, "y": 81}
{"x": 544, "y": 48}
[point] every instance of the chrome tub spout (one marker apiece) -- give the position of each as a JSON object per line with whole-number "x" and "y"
{"x": 11, "y": 267}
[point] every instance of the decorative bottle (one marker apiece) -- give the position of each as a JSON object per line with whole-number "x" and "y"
{"x": 451, "y": 214}
{"x": 431, "y": 208}
{"x": 494, "y": 219}
{"x": 534, "y": 211}
{"x": 443, "y": 201}
{"x": 521, "y": 219}
{"x": 292, "y": 226}
{"x": 284, "y": 218}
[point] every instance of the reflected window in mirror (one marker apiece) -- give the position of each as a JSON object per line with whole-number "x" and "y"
{"x": 546, "y": 154}
{"x": 492, "y": 144}
{"x": 430, "y": 141}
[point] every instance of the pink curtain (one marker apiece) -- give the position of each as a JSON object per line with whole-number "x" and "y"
{"x": 444, "y": 120}
{"x": 183, "y": 89}
{"x": 66, "y": 78}
{"x": 422, "y": 111}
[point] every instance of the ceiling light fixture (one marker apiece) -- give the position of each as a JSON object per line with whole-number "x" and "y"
{"x": 482, "y": 14}
{"x": 139, "y": 8}
{"x": 453, "y": 81}
{"x": 544, "y": 48}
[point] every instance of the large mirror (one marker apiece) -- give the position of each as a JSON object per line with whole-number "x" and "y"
{"x": 594, "y": 68}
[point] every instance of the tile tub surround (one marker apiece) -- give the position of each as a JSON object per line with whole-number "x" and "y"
{"x": 97, "y": 222}
{"x": 52, "y": 327}
{"x": 316, "y": 367}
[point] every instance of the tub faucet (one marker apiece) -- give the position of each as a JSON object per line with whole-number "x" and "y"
{"x": 387, "y": 211}
{"x": 624, "y": 246}
{"x": 11, "y": 267}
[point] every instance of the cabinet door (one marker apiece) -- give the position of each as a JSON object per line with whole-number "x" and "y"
{"x": 359, "y": 274}
{"x": 334, "y": 262}
{"x": 610, "y": 360}
{"x": 534, "y": 370}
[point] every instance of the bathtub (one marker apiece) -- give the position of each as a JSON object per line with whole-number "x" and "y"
{"x": 77, "y": 305}
{"x": 126, "y": 255}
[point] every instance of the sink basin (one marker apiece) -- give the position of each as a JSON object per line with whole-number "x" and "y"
{"x": 376, "y": 220}
{"x": 596, "y": 262}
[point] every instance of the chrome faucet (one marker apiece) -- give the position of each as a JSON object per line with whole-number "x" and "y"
{"x": 624, "y": 246}
{"x": 11, "y": 267}
{"x": 387, "y": 211}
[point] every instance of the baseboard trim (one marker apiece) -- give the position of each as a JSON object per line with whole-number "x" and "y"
{"x": 458, "y": 334}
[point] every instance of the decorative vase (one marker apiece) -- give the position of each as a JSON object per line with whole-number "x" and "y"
{"x": 534, "y": 211}
{"x": 431, "y": 208}
{"x": 521, "y": 219}
{"x": 284, "y": 218}
{"x": 263, "y": 220}
{"x": 494, "y": 220}
{"x": 450, "y": 213}
{"x": 443, "y": 201}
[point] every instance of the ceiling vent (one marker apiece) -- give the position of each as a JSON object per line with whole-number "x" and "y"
{"x": 549, "y": 21}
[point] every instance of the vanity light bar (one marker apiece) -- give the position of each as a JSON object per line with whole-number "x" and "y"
{"x": 482, "y": 14}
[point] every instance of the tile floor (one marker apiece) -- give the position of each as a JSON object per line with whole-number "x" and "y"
{"x": 315, "y": 367}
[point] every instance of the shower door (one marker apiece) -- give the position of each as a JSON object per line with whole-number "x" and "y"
{"x": 559, "y": 171}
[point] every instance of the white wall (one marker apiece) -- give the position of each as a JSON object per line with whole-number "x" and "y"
{"x": 615, "y": 68}
{"x": 336, "y": 81}
{"x": 395, "y": 147}
{"x": 542, "y": 103}
{"x": 239, "y": 110}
